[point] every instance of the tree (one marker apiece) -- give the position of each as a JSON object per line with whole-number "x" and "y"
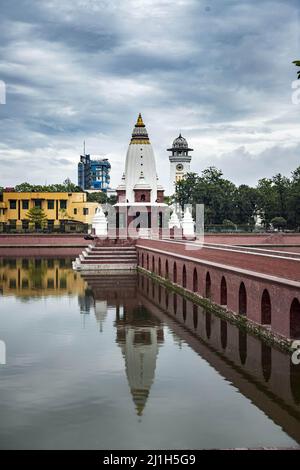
{"x": 229, "y": 224}
{"x": 293, "y": 203}
{"x": 66, "y": 187}
{"x": 297, "y": 63}
{"x": 245, "y": 205}
{"x": 37, "y": 216}
{"x": 98, "y": 196}
{"x": 210, "y": 189}
{"x": 266, "y": 200}
{"x": 279, "y": 222}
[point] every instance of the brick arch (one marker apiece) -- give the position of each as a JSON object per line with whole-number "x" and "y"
{"x": 175, "y": 303}
{"x": 243, "y": 337}
{"x": 242, "y": 299}
{"x": 142, "y": 260}
{"x": 167, "y": 269}
{"x": 159, "y": 266}
{"x": 147, "y": 262}
{"x": 184, "y": 310}
{"x": 153, "y": 264}
{"x": 208, "y": 324}
{"x": 223, "y": 293}
{"x": 295, "y": 382}
{"x": 175, "y": 272}
{"x": 195, "y": 316}
{"x": 223, "y": 333}
{"x": 166, "y": 299}
{"x": 266, "y": 361}
{"x": 295, "y": 319}
{"x": 184, "y": 276}
{"x": 266, "y": 309}
{"x": 195, "y": 280}
{"x": 208, "y": 286}
{"x": 159, "y": 294}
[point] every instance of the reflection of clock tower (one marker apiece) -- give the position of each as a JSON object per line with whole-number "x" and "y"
{"x": 180, "y": 161}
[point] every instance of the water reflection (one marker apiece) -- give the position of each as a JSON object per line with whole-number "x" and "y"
{"x": 278, "y": 393}
{"x": 34, "y": 277}
{"x": 139, "y": 335}
{"x": 142, "y": 316}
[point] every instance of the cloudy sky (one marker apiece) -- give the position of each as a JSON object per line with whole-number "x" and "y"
{"x": 219, "y": 71}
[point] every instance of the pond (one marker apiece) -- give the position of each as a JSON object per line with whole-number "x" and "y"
{"x": 118, "y": 362}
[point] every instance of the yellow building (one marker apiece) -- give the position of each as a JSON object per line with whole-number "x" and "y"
{"x": 67, "y": 211}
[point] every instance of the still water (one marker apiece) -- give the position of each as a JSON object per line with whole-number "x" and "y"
{"x": 119, "y": 362}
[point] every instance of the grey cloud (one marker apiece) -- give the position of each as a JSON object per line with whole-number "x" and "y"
{"x": 84, "y": 69}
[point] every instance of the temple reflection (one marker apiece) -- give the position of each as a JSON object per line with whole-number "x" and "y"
{"x": 138, "y": 308}
{"x": 139, "y": 333}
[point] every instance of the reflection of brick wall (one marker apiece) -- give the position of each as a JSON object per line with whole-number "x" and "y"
{"x": 278, "y": 380}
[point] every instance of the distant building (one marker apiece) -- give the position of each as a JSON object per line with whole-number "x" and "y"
{"x": 179, "y": 161}
{"x": 68, "y": 212}
{"x": 93, "y": 174}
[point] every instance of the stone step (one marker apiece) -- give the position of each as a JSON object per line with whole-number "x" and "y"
{"x": 106, "y": 267}
{"x": 105, "y": 255}
{"x": 107, "y": 261}
{"x": 113, "y": 248}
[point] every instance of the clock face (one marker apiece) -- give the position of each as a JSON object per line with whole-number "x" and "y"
{"x": 179, "y": 167}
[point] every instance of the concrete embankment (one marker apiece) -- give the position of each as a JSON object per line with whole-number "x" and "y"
{"x": 46, "y": 245}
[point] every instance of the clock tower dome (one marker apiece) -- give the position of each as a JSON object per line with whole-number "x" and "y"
{"x": 179, "y": 161}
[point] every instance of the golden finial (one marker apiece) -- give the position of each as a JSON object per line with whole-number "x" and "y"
{"x": 139, "y": 122}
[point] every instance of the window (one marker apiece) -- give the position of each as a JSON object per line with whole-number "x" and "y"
{"x": 12, "y": 283}
{"x": 51, "y": 204}
{"x": 38, "y": 203}
{"x": 25, "y": 204}
{"x": 63, "y": 283}
{"x": 25, "y": 263}
{"x": 12, "y": 204}
{"x": 85, "y": 211}
{"x": 75, "y": 211}
{"x": 13, "y": 224}
{"x": 50, "y": 225}
{"x": 63, "y": 204}
{"x": 25, "y": 224}
{"x": 50, "y": 283}
{"x": 50, "y": 263}
{"x": 25, "y": 284}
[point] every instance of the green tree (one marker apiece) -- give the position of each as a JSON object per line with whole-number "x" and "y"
{"x": 66, "y": 187}
{"x": 245, "y": 205}
{"x": 279, "y": 222}
{"x": 98, "y": 196}
{"x": 210, "y": 189}
{"x": 37, "y": 216}
{"x": 297, "y": 63}
{"x": 293, "y": 203}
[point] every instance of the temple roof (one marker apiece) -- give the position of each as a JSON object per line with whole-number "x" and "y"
{"x": 139, "y": 133}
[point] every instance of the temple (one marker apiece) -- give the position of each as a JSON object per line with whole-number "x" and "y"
{"x": 140, "y": 185}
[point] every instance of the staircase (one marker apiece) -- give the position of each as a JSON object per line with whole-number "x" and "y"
{"x": 102, "y": 258}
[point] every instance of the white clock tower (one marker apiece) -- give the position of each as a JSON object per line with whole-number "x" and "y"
{"x": 179, "y": 161}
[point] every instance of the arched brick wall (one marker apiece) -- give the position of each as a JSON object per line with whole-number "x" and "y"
{"x": 281, "y": 295}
